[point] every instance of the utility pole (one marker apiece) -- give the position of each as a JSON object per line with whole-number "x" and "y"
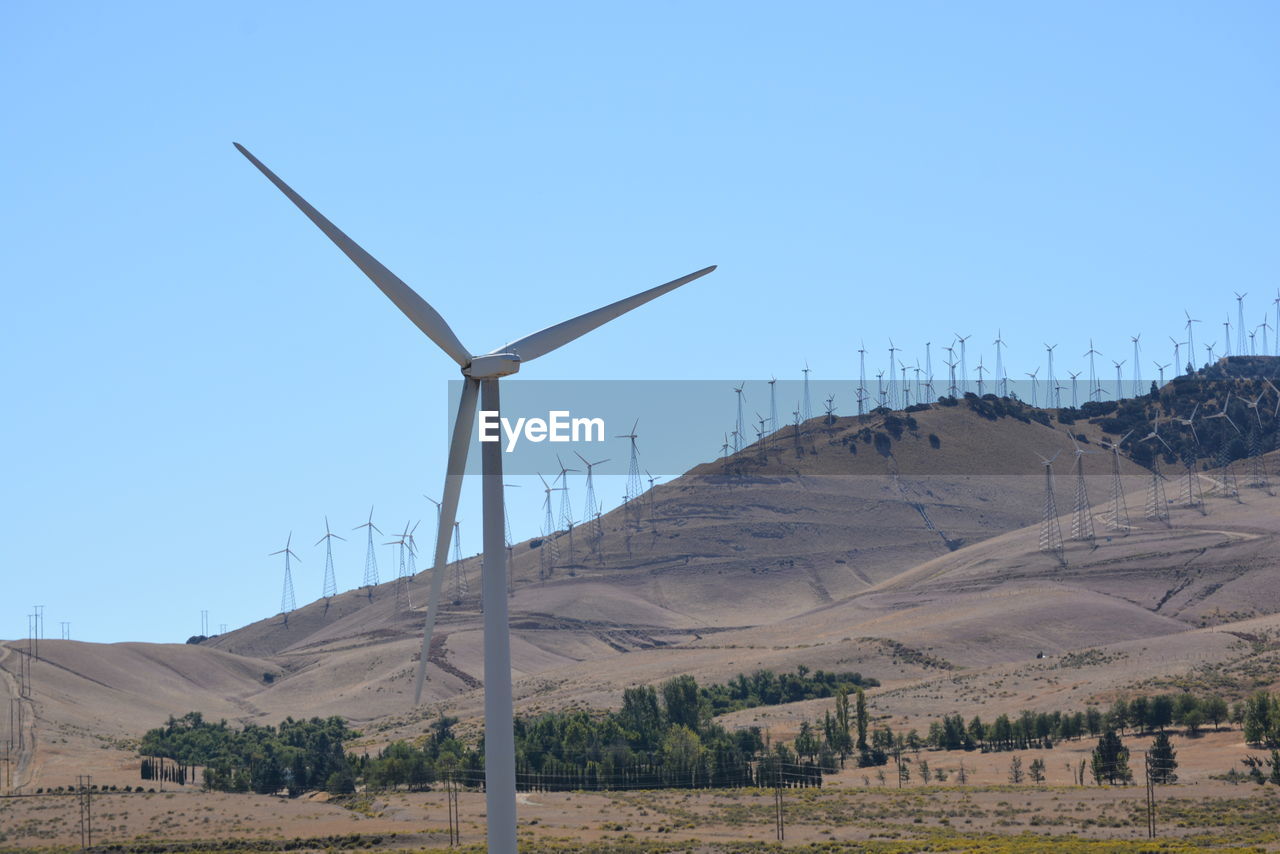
{"x": 779, "y": 823}
{"x": 455, "y": 822}
{"x": 84, "y": 794}
{"x": 1151, "y": 798}
{"x": 66, "y": 629}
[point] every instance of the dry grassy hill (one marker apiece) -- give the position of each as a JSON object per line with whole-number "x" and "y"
{"x": 904, "y": 547}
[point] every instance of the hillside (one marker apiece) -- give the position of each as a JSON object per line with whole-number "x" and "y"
{"x": 903, "y": 545}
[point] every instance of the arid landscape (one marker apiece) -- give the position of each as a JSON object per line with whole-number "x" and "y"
{"x": 914, "y": 560}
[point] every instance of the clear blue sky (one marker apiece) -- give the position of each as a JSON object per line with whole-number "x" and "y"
{"x": 191, "y": 370}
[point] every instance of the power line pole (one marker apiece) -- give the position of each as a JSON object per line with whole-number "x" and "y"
{"x": 779, "y": 823}
{"x": 1151, "y": 798}
{"x": 85, "y": 796}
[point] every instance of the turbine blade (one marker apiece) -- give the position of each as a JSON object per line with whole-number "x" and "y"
{"x": 553, "y": 337}
{"x": 458, "y": 447}
{"x": 405, "y": 298}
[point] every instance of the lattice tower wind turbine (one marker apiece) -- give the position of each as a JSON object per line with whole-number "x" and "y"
{"x": 808, "y": 402}
{"x": 737, "y": 424}
{"x": 1075, "y": 396}
{"x": 1157, "y": 509}
{"x": 550, "y": 548}
{"x": 330, "y": 580}
{"x": 1119, "y": 380}
{"x": 773, "y": 404}
{"x": 964, "y": 366}
{"x": 951, "y": 371}
{"x": 1240, "y": 321}
{"x": 1161, "y": 368}
{"x": 1050, "y": 529}
{"x": 1253, "y": 344}
{"x": 1191, "y": 342}
{"x": 566, "y": 509}
{"x": 483, "y": 373}
{"x": 1032, "y": 377}
{"x": 1093, "y": 374}
{"x": 1228, "y": 487}
{"x": 1002, "y": 382}
{"x": 930, "y": 394}
{"x": 981, "y": 369}
{"x": 1081, "y": 514}
{"x": 1118, "y": 519}
{"x": 1226, "y": 336}
{"x": 893, "y": 378}
{"x": 461, "y": 587}
{"x": 1192, "y": 495}
{"x": 634, "y": 488}
{"x": 287, "y": 602}
{"x": 1137, "y": 390}
{"x": 862, "y": 384}
{"x": 370, "y": 555}
{"x": 1051, "y": 401}
{"x": 591, "y": 509}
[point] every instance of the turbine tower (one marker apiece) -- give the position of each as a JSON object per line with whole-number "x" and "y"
{"x": 1050, "y": 530}
{"x": 1177, "y": 363}
{"x": 1032, "y": 377}
{"x": 550, "y": 551}
{"x": 1191, "y": 342}
{"x": 1192, "y": 495}
{"x": 1240, "y": 322}
{"x": 461, "y": 589}
{"x": 1161, "y": 368}
{"x": 287, "y": 603}
{"x": 773, "y": 404}
{"x": 483, "y": 373}
{"x": 1157, "y": 504}
{"x": 1075, "y": 397}
{"x": 862, "y": 385}
{"x": 370, "y": 555}
{"x": 808, "y": 403}
{"x": 928, "y": 372}
{"x": 964, "y": 366}
{"x": 1051, "y": 399}
{"x": 591, "y": 509}
{"x": 330, "y": 582}
{"x": 1118, "y": 518}
{"x": 634, "y": 487}
{"x": 1093, "y": 374}
{"x": 1228, "y": 487}
{"x": 893, "y": 383}
{"x": 1081, "y": 517}
{"x": 1119, "y": 380}
{"x": 737, "y": 424}
{"x": 566, "y": 508}
{"x": 1002, "y": 382}
{"x": 1137, "y": 390}
{"x": 1226, "y": 333}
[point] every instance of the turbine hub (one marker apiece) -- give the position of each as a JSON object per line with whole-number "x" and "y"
{"x": 492, "y": 366}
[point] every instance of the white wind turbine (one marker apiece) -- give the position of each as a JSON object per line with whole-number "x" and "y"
{"x": 482, "y": 372}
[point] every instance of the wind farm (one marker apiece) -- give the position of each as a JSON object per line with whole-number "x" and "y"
{"x": 943, "y": 516}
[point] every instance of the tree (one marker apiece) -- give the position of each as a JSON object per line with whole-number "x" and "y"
{"x": 683, "y": 703}
{"x": 840, "y": 739}
{"x": 860, "y": 715}
{"x": 1015, "y": 770}
{"x": 1163, "y": 760}
{"x": 1275, "y": 767}
{"x": 1160, "y": 712}
{"x": 1193, "y": 720}
{"x": 1037, "y": 770}
{"x": 1215, "y": 709}
{"x": 1111, "y": 759}
{"x": 925, "y": 773}
{"x": 806, "y": 742}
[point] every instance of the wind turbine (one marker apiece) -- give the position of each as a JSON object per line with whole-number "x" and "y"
{"x": 551, "y": 557}
{"x": 634, "y": 487}
{"x": 330, "y": 582}
{"x": 1032, "y": 375}
{"x": 591, "y": 510}
{"x": 1136, "y": 390}
{"x": 964, "y": 369}
{"x": 1209, "y": 349}
{"x": 1157, "y": 503}
{"x": 1050, "y": 530}
{"x": 566, "y": 508}
{"x": 1161, "y": 368}
{"x": 287, "y": 602}
{"x": 737, "y": 424}
{"x": 370, "y": 554}
{"x": 862, "y": 386}
{"x": 893, "y": 378}
{"x": 1264, "y": 326}
{"x": 1229, "y": 487}
{"x": 1002, "y": 383}
{"x": 1081, "y": 517}
{"x": 773, "y": 404}
{"x": 1075, "y": 398}
{"x": 1119, "y": 380}
{"x": 482, "y": 373}
{"x": 1226, "y": 337}
{"x": 1177, "y": 363}
{"x": 1118, "y": 519}
{"x": 808, "y": 405}
{"x": 1240, "y": 322}
{"x": 1093, "y": 375}
{"x": 1050, "y": 401}
{"x": 1191, "y": 341}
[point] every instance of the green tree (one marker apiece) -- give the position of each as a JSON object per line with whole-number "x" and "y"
{"x": 860, "y": 715}
{"x": 1037, "y": 770}
{"x": 1110, "y": 759}
{"x": 1163, "y": 759}
{"x": 683, "y": 703}
{"x": 1015, "y": 770}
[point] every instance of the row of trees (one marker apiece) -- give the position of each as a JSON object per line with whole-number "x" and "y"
{"x": 297, "y": 755}
{"x": 765, "y": 688}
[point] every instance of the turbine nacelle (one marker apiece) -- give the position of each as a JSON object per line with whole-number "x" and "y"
{"x": 492, "y": 366}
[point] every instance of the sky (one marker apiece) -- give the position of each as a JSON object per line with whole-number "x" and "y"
{"x": 191, "y": 371}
